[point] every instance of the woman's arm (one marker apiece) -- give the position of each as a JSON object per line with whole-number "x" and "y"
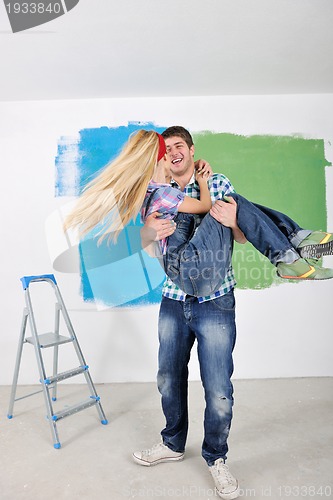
{"x": 202, "y": 206}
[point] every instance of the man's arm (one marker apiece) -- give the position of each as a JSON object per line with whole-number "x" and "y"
{"x": 226, "y": 214}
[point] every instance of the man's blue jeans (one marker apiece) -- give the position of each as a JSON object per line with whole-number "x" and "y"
{"x": 197, "y": 261}
{"x": 212, "y": 324}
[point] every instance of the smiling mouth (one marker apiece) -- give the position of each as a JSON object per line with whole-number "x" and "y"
{"x": 176, "y": 161}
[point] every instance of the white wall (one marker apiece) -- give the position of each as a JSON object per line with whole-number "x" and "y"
{"x": 282, "y": 331}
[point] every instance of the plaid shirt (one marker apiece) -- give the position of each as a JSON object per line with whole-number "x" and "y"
{"x": 165, "y": 199}
{"x": 219, "y": 187}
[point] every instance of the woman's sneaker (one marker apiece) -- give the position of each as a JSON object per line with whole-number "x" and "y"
{"x": 226, "y": 484}
{"x": 157, "y": 454}
{"x": 301, "y": 269}
{"x": 316, "y": 245}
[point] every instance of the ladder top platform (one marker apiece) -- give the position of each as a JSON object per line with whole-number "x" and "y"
{"x": 26, "y": 280}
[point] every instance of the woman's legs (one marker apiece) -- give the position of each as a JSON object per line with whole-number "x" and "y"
{"x": 279, "y": 238}
{"x": 286, "y": 225}
{"x": 267, "y": 230}
{"x": 199, "y": 266}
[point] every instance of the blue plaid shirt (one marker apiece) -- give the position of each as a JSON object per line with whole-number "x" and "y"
{"x": 219, "y": 186}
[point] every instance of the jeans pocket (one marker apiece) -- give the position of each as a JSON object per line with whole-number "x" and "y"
{"x": 225, "y": 302}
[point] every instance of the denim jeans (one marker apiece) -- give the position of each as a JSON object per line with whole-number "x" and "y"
{"x": 285, "y": 224}
{"x": 197, "y": 261}
{"x": 212, "y": 324}
{"x": 273, "y": 233}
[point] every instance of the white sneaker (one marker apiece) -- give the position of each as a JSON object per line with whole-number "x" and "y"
{"x": 225, "y": 483}
{"x": 157, "y": 454}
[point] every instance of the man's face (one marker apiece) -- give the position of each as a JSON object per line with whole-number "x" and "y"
{"x": 181, "y": 156}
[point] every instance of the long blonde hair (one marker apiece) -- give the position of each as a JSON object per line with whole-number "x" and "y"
{"x": 116, "y": 195}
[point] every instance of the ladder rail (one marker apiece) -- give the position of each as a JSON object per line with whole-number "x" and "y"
{"x": 18, "y": 362}
{"x": 56, "y": 350}
{"x": 41, "y": 368}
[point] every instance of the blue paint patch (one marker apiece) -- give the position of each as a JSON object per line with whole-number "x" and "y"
{"x": 95, "y": 148}
{"x": 119, "y": 274}
{"x": 112, "y": 275}
{"x": 118, "y": 283}
{"x": 67, "y": 164}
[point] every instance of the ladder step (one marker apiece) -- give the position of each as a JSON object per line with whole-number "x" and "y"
{"x": 76, "y": 408}
{"x": 50, "y": 339}
{"x": 65, "y": 375}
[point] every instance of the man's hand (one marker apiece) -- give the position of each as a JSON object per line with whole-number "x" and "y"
{"x": 225, "y": 212}
{"x": 156, "y": 229}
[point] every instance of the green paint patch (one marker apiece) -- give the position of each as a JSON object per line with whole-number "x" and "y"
{"x": 286, "y": 173}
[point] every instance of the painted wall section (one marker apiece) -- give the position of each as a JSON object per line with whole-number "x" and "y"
{"x": 284, "y": 172}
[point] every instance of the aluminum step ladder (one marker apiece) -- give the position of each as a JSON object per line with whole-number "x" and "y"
{"x": 44, "y": 341}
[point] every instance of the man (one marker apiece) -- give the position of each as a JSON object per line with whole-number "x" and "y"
{"x": 184, "y": 319}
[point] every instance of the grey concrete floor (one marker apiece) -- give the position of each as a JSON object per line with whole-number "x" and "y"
{"x": 281, "y": 444}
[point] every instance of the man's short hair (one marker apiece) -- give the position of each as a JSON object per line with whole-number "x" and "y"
{"x": 178, "y": 131}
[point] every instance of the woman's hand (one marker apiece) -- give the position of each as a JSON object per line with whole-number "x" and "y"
{"x": 202, "y": 175}
{"x": 203, "y": 167}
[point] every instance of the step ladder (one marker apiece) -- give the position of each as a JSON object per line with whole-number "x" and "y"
{"x": 44, "y": 341}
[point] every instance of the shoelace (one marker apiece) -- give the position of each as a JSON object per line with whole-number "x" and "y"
{"x": 222, "y": 470}
{"x": 152, "y": 450}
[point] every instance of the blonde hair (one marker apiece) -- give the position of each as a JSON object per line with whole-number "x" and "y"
{"x": 116, "y": 195}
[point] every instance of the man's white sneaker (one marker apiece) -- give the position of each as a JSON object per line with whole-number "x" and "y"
{"x": 225, "y": 483}
{"x": 157, "y": 454}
